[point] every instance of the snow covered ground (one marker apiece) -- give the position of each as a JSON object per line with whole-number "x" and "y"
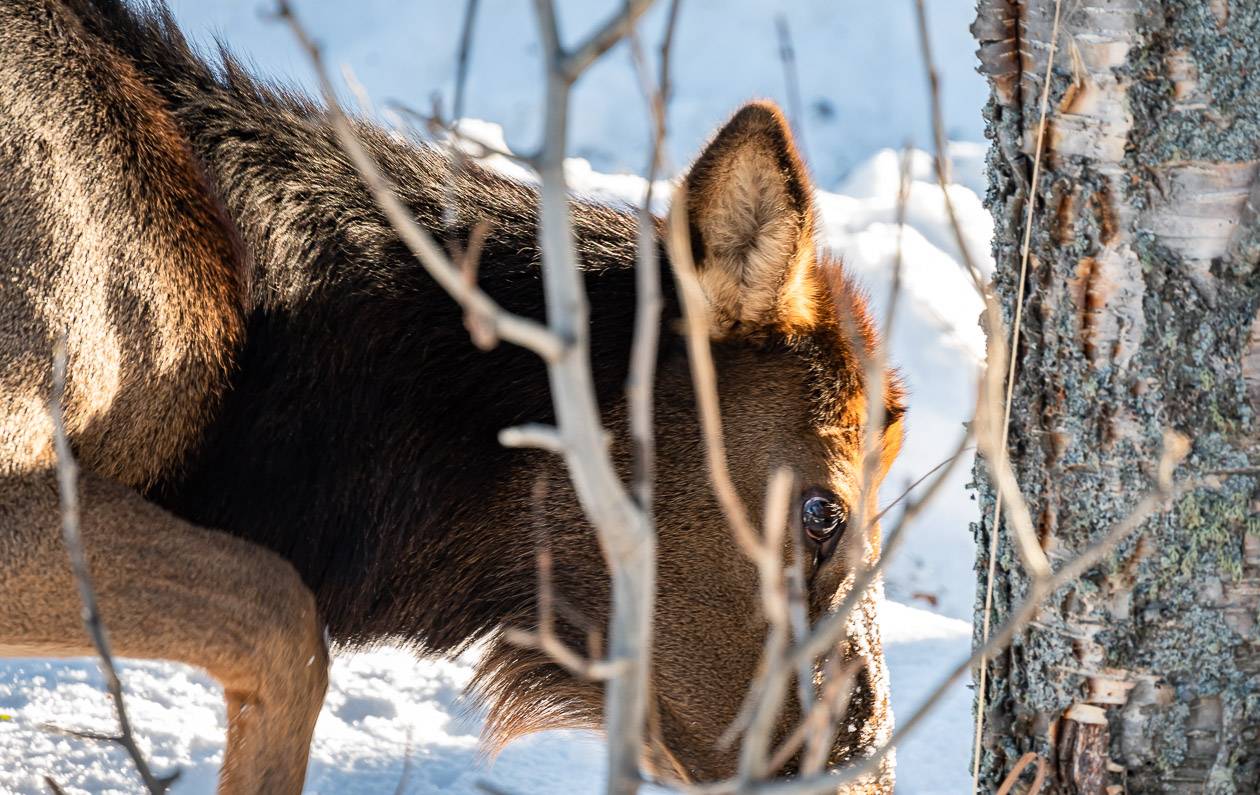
{"x": 863, "y": 93}
{"x": 388, "y": 717}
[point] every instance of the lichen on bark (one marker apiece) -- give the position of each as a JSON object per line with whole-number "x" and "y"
{"x": 1142, "y": 290}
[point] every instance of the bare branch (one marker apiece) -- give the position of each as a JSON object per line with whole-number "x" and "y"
{"x": 546, "y": 639}
{"x": 640, "y": 385}
{"x": 513, "y": 328}
{"x": 616, "y": 28}
{"x": 704, "y": 377}
{"x": 544, "y": 437}
{"x": 787, "y": 57}
{"x": 462, "y": 59}
{"x": 626, "y": 533}
{"x": 68, "y": 488}
{"x": 1020, "y": 765}
{"x": 1005, "y": 480}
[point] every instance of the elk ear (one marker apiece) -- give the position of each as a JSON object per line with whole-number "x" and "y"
{"x": 751, "y": 217}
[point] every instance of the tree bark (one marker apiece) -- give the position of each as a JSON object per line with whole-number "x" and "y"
{"x": 1139, "y": 316}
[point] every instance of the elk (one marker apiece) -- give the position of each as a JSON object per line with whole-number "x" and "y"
{"x": 285, "y": 432}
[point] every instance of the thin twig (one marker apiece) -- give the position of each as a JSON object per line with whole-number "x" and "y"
{"x": 436, "y": 125}
{"x": 1235, "y": 471}
{"x": 832, "y": 711}
{"x": 941, "y": 158}
{"x": 571, "y": 65}
{"x": 791, "y": 78}
{"x": 1018, "y": 770}
{"x": 68, "y": 489}
{"x": 798, "y": 615}
{"x": 640, "y": 385}
{"x": 462, "y": 60}
{"x": 1158, "y": 500}
{"x": 405, "y": 776}
{"x": 513, "y": 328}
{"x": 771, "y": 686}
{"x": 1013, "y": 351}
{"x": 545, "y": 638}
{"x": 903, "y": 201}
{"x": 468, "y": 260}
{"x": 704, "y": 377}
{"x": 916, "y": 483}
{"x": 990, "y": 440}
{"x": 482, "y": 334}
{"x": 361, "y": 98}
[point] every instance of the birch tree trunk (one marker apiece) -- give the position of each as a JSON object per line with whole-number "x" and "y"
{"x": 1139, "y": 315}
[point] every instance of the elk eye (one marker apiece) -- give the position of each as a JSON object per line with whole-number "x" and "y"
{"x": 822, "y": 515}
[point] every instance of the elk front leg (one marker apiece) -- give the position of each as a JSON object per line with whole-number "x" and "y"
{"x": 170, "y": 590}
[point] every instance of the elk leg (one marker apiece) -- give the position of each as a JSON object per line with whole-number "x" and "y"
{"x": 170, "y": 590}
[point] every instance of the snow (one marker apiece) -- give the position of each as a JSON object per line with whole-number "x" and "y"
{"x": 389, "y": 716}
{"x": 860, "y": 73}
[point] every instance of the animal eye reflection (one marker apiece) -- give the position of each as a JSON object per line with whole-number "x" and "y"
{"x": 822, "y": 515}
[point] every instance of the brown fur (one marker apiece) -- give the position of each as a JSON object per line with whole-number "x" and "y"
{"x": 150, "y": 325}
{"x": 252, "y": 349}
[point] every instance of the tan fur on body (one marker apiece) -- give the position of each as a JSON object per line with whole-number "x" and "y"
{"x": 112, "y": 239}
{"x": 251, "y": 349}
{"x": 150, "y": 319}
